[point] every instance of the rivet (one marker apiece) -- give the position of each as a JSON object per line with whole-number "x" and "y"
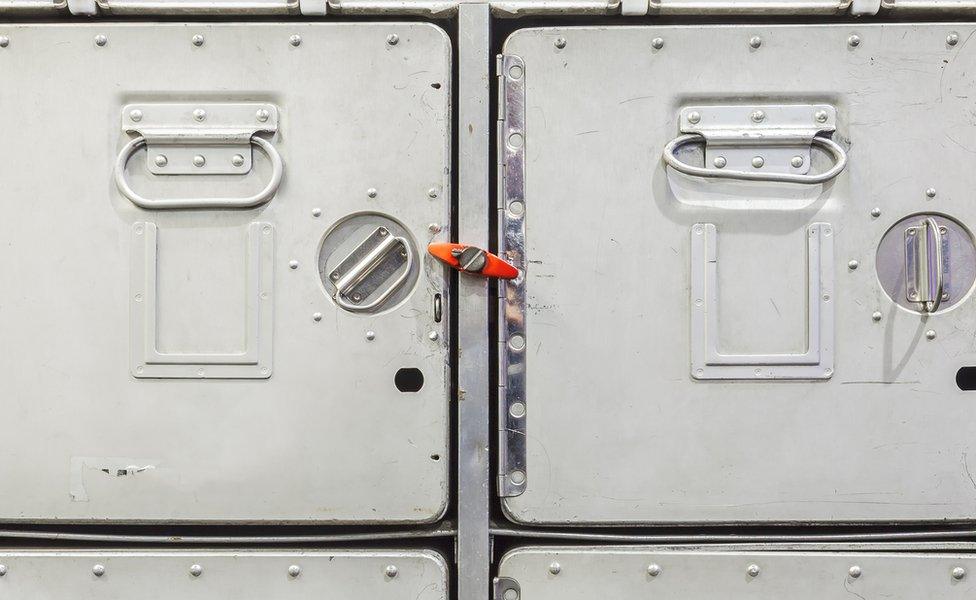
{"x": 432, "y": 193}
{"x": 560, "y": 43}
{"x": 432, "y": 336}
{"x": 98, "y": 570}
{"x": 357, "y": 297}
{"x": 434, "y": 228}
{"x": 391, "y": 571}
{"x": 3, "y": 568}
{"x": 370, "y": 335}
{"x": 930, "y": 192}
{"x": 295, "y": 40}
{"x": 854, "y": 41}
{"x": 555, "y": 568}
{"x": 4, "y": 41}
{"x": 758, "y": 116}
{"x": 755, "y": 41}
{"x": 516, "y": 342}
{"x": 371, "y": 192}
{"x": 317, "y": 317}
{"x": 517, "y": 477}
{"x": 797, "y": 162}
{"x": 952, "y": 39}
{"x": 196, "y": 570}
{"x": 517, "y": 207}
{"x": 720, "y": 162}
{"x": 853, "y": 264}
{"x": 316, "y": 212}
{"x": 199, "y": 160}
{"x": 694, "y": 117}
{"x": 197, "y": 40}
{"x": 511, "y": 594}
{"x": 821, "y": 116}
{"x": 135, "y": 115}
{"x": 758, "y": 162}
{"x": 654, "y": 570}
{"x": 293, "y": 264}
{"x": 657, "y": 43}
{"x": 854, "y": 572}
{"x": 958, "y": 573}
{"x": 100, "y": 40}
{"x": 517, "y": 410}
{"x": 161, "y": 160}
{"x": 930, "y": 334}
{"x": 237, "y": 160}
{"x": 753, "y": 570}
{"x": 294, "y": 571}
{"x": 263, "y": 114}
{"x": 875, "y": 212}
{"x": 876, "y": 316}
{"x": 393, "y": 39}
{"x": 199, "y": 115}
{"x": 515, "y": 72}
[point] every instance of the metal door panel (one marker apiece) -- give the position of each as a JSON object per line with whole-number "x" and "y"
{"x": 190, "y": 364}
{"x": 679, "y": 573}
{"x": 57, "y": 575}
{"x": 618, "y": 424}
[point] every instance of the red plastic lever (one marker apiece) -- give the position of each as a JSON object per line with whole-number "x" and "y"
{"x": 471, "y": 259}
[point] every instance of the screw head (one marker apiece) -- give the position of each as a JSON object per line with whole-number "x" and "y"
{"x": 930, "y": 334}
{"x": 370, "y": 335}
{"x": 753, "y": 570}
{"x": 875, "y": 212}
{"x": 758, "y": 116}
{"x": 317, "y": 317}
{"x": 199, "y": 115}
{"x": 432, "y": 336}
{"x": 3, "y": 570}
{"x": 98, "y": 570}
{"x": 100, "y": 40}
{"x": 432, "y": 193}
{"x": 393, "y": 39}
{"x": 758, "y": 162}
{"x": 161, "y": 160}
{"x": 958, "y": 573}
{"x": 517, "y": 477}
{"x": 560, "y": 42}
{"x": 952, "y": 39}
{"x": 263, "y": 115}
{"x": 654, "y": 570}
{"x": 694, "y": 117}
{"x": 854, "y": 572}
{"x": 854, "y": 41}
{"x": 391, "y": 571}
{"x": 755, "y": 41}
{"x": 316, "y": 212}
{"x": 555, "y": 568}
{"x": 434, "y": 228}
{"x": 4, "y": 41}
{"x": 199, "y": 160}
{"x": 135, "y": 115}
{"x": 720, "y": 162}
{"x": 237, "y": 160}
{"x": 930, "y": 192}
{"x": 371, "y": 192}
{"x": 657, "y": 43}
{"x": 293, "y": 264}
{"x": 853, "y": 264}
{"x": 196, "y": 570}
{"x": 821, "y": 116}
{"x": 876, "y": 316}
{"x": 197, "y": 40}
{"x": 294, "y": 571}
{"x": 796, "y": 162}
{"x": 295, "y": 40}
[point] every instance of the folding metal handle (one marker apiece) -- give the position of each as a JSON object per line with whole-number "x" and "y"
{"x": 262, "y": 197}
{"x": 836, "y": 151}
{"x": 365, "y": 266}
{"x": 929, "y": 236}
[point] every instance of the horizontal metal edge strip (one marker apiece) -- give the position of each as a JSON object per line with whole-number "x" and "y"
{"x": 893, "y": 536}
{"x": 67, "y": 536}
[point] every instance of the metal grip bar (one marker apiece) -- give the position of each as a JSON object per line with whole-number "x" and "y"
{"x": 835, "y": 150}
{"x": 931, "y": 227}
{"x": 367, "y": 265}
{"x": 262, "y": 197}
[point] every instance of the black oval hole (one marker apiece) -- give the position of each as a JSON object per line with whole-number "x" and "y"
{"x": 436, "y": 86}
{"x": 409, "y": 380}
{"x": 966, "y": 379}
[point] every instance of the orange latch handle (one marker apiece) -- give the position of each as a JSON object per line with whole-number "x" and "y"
{"x": 492, "y": 266}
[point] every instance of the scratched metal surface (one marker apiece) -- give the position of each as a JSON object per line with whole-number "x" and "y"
{"x": 327, "y": 437}
{"x": 618, "y": 432}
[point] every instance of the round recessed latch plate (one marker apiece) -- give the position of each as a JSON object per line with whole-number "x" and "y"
{"x": 368, "y": 262}
{"x": 926, "y": 262}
